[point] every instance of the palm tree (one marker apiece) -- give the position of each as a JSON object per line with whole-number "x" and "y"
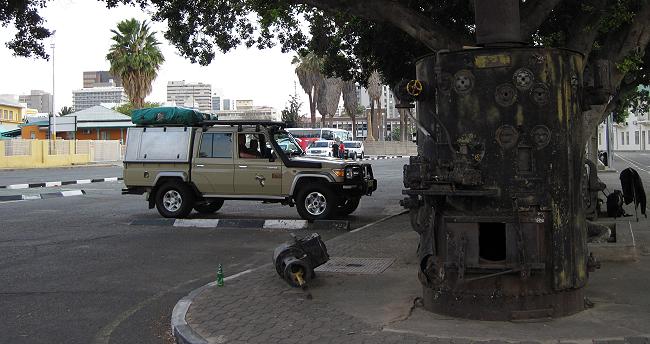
{"x": 374, "y": 91}
{"x": 333, "y": 88}
{"x": 351, "y": 103}
{"x": 135, "y": 58}
{"x": 66, "y": 110}
{"x": 308, "y": 70}
{"x": 320, "y": 94}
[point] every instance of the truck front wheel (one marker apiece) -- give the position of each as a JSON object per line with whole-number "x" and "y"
{"x": 315, "y": 202}
{"x": 174, "y": 199}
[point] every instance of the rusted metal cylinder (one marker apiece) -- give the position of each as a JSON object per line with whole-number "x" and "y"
{"x": 496, "y": 194}
{"x": 497, "y": 21}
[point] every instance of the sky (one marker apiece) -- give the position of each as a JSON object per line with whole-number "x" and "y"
{"x": 82, "y": 41}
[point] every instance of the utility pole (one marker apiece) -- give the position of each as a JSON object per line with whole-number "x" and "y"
{"x": 53, "y": 119}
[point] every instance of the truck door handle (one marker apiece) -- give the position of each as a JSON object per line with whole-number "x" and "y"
{"x": 200, "y": 165}
{"x": 243, "y": 166}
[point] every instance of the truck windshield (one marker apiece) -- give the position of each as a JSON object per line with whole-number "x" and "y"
{"x": 288, "y": 143}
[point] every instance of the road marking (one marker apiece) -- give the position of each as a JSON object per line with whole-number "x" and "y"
{"x": 285, "y": 224}
{"x": 111, "y": 179}
{"x": 635, "y": 163}
{"x": 18, "y": 186}
{"x": 84, "y": 181}
{"x": 378, "y": 221}
{"x": 200, "y": 223}
{"x": 51, "y": 184}
{"x": 72, "y": 193}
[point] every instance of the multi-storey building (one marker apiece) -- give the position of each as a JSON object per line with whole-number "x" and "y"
{"x": 10, "y": 112}
{"x": 254, "y": 113}
{"x": 37, "y": 99}
{"x": 88, "y": 97}
{"x": 101, "y": 78}
{"x": 195, "y": 95}
{"x": 216, "y": 103}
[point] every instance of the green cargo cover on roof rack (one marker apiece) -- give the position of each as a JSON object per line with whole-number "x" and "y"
{"x": 169, "y": 115}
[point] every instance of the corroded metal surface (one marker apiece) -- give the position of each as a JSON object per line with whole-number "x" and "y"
{"x": 495, "y": 193}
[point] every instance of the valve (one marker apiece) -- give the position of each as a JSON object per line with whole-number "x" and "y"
{"x": 295, "y": 261}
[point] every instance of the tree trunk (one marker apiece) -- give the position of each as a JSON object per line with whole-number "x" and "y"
{"x": 354, "y": 128}
{"x": 380, "y": 133}
{"x": 312, "y": 110}
{"x": 369, "y": 125}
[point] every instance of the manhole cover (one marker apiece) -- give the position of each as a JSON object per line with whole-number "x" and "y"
{"x": 353, "y": 265}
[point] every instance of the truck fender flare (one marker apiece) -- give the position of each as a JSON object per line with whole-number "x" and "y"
{"x": 309, "y": 175}
{"x": 172, "y": 174}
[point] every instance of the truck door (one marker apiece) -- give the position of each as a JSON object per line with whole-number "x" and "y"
{"x": 212, "y": 168}
{"x": 255, "y": 175}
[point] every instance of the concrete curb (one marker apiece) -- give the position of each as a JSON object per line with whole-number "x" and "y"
{"x": 59, "y": 183}
{"x": 246, "y": 223}
{"x": 15, "y": 198}
{"x": 184, "y": 333}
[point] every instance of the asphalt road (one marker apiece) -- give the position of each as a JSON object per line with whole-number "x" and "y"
{"x": 73, "y": 269}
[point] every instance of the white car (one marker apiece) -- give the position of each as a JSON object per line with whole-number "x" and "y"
{"x": 354, "y": 149}
{"x": 320, "y": 148}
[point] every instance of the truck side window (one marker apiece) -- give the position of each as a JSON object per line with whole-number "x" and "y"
{"x": 216, "y": 145}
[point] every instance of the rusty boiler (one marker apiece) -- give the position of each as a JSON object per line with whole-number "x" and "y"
{"x": 495, "y": 191}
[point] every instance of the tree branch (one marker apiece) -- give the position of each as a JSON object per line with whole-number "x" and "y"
{"x": 416, "y": 25}
{"x": 585, "y": 29}
{"x": 632, "y": 39}
{"x": 534, "y": 13}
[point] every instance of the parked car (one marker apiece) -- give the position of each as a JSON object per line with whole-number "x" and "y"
{"x": 200, "y": 167}
{"x": 320, "y": 148}
{"x": 354, "y": 149}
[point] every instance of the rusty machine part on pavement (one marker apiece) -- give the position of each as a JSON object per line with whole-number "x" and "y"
{"x": 495, "y": 191}
{"x": 295, "y": 261}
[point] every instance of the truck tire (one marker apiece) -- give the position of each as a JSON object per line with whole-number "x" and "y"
{"x": 315, "y": 201}
{"x": 174, "y": 199}
{"x": 348, "y": 206}
{"x": 210, "y": 207}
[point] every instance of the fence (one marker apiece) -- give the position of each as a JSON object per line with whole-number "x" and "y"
{"x": 390, "y": 148}
{"x": 46, "y": 153}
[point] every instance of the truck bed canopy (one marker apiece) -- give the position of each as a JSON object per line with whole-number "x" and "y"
{"x": 169, "y": 115}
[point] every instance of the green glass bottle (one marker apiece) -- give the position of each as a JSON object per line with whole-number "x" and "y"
{"x": 220, "y": 276}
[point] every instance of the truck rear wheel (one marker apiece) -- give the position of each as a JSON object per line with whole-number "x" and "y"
{"x": 315, "y": 202}
{"x": 174, "y": 199}
{"x": 209, "y": 207}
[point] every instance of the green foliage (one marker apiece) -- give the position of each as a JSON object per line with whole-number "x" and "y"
{"x": 291, "y": 112}
{"x": 127, "y": 108}
{"x": 635, "y": 100}
{"x": 135, "y": 58}
{"x": 24, "y": 15}
{"x": 395, "y": 134}
{"x": 66, "y": 110}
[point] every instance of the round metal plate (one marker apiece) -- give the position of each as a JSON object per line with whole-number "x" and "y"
{"x": 541, "y": 136}
{"x": 540, "y": 94}
{"x": 463, "y": 81}
{"x": 523, "y": 78}
{"x": 507, "y": 136}
{"x": 505, "y": 95}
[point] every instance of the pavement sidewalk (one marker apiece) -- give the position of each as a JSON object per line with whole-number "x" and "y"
{"x": 258, "y": 307}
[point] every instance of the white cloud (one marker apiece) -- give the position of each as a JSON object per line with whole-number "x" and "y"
{"x": 82, "y": 41}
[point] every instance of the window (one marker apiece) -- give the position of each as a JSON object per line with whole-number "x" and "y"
{"x": 622, "y": 138}
{"x": 216, "y": 145}
{"x": 636, "y": 137}
{"x": 11, "y": 115}
{"x": 6, "y": 114}
{"x": 252, "y": 146}
{"x": 627, "y": 138}
{"x": 32, "y": 135}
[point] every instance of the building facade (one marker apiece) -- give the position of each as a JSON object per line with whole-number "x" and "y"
{"x": 88, "y": 97}
{"x": 255, "y": 113}
{"x": 37, "y": 99}
{"x": 216, "y": 103}
{"x": 100, "y": 78}
{"x": 631, "y": 135}
{"x": 193, "y": 95}
{"x": 94, "y": 123}
{"x": 11, "y": 113}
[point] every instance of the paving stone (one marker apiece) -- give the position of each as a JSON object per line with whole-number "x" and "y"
{"x": 637, "y": 340}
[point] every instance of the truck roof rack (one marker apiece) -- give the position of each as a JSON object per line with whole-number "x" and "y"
{"x": 243, "y": 122}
